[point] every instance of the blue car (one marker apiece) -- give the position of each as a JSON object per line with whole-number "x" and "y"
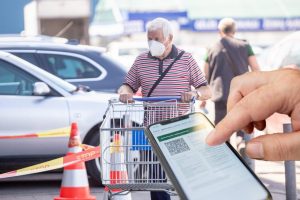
{"x": 78, "y": 64}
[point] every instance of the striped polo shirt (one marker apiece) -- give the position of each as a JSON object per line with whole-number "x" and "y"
{"x": 183, "y": 74}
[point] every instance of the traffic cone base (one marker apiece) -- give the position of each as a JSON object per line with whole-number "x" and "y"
{"x": 118, "y": 196}
{"x": 80, "y": 193}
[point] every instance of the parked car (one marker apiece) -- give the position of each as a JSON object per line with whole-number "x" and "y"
{"x": 33, "y": 38}
{"x": 126, "y": 52}
{"x": 77, "y": 64}
{"x": 283, "y": 53}
{"x": 33, "y": 100}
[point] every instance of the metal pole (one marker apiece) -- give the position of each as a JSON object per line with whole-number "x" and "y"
{"x": 249, "y": 161}
{"x": 290, "y": 172}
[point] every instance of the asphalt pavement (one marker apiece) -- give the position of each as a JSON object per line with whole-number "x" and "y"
{"x": 46, "y": 186}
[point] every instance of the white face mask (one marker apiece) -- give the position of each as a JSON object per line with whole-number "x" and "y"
{"x": 156, "y": 48}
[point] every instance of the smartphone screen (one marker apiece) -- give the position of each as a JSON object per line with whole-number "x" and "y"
{"x": 202, "y": 171}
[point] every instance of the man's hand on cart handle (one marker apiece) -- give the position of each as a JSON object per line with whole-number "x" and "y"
{"x": 126, "y": 94}
{"x": 203, "y": 93}
{"x": 126, "y": 98}
{"x": 187, "y": 97}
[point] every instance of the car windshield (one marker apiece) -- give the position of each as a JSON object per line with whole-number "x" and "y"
{"x": 292, "y": 54}
{"x": 117, "y": 63}
{"x": 131, "y": 51}
{"x": 50, "y": 77}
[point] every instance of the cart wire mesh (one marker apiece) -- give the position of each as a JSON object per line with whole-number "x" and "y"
{"x": 128, "y": 162}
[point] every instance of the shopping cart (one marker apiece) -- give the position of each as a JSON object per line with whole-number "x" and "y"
{"x": 127, "y": 162}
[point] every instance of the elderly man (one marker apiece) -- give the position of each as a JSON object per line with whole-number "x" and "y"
{"x": 164, "y": 70}
{"x": 149, "y": 66}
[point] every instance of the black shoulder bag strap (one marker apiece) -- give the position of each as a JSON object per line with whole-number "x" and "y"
{"x": 164, "y": 73}
{"x": 234, "y": 68}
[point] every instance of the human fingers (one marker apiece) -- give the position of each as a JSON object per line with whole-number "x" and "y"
{"x": 295, "y": 117}
{"x": 251, "y": 108}
{"x": 122, "y": 98}
{"x": 249, "y": 128}
{"x": 242, "y": 85}
{"x": 275, "y": 147}
{"x": 259, "y": 125}
{"x": 252, "y": 104}
{"x": 186, "y": 97}
{"x": 286, "y": 82}
{"x": 202, "y": 104}
{"x": 276, "y": 91}
{"x": 126, "y": 98}
{"x": 130, "y": 98}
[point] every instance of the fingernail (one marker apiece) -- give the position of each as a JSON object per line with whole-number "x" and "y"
{"x": 210, "y": 138}
{"x": 255, "y": 150}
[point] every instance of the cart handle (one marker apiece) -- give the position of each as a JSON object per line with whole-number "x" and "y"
{"x": 165, "y": 98}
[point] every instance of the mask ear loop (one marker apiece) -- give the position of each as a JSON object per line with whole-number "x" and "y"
{"x": 170, "y": 38}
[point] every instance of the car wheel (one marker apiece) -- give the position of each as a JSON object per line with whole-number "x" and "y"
{"x": 93, "y": 166}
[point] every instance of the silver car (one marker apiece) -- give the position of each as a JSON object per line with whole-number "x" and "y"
{"x": 32, "y": 101}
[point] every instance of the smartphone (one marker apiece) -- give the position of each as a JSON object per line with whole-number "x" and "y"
{"x": 199, "y": 171}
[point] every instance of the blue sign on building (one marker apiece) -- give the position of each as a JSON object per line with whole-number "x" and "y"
{"x": 147, "y": 16}
{"x": 136, "y": 22}
{"x": 248, "y": 24}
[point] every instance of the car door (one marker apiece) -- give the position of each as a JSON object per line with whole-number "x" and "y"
{"x": 23, "y": 113}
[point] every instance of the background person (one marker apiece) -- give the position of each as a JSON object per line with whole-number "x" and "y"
{"x": 227, "y": 58}
{"x": 253, "y": 98}
{"x": 150, "y": 66}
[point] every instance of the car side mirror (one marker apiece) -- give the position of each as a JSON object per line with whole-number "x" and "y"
{"x": 40, "y": 89}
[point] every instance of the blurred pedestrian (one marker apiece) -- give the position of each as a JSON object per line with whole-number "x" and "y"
{"x": 227, "y": 58}
{"x": 164, "y": 70}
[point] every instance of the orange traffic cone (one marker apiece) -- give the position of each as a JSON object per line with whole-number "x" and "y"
{"x": 118, "y": 169}
{"x": 75, "y": 183}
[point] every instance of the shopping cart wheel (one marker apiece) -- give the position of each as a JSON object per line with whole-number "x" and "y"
{"x": 106, "y": 196}
{"x": 93, "y": 166}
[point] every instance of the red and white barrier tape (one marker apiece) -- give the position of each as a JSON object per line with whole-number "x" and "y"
{"x": 89, "y": 154}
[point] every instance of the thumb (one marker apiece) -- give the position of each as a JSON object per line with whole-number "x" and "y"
{"x": 275, "y": 147}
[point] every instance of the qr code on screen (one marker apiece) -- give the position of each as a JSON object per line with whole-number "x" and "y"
{"x": 177, "y": 146}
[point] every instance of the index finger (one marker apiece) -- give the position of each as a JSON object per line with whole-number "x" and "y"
{"x": 251, "y": 108}
{"x": 244, "y": 84}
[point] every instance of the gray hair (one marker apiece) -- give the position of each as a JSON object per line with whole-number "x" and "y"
{"x": 160, "y": 23}
{"x": 227, "y": 25}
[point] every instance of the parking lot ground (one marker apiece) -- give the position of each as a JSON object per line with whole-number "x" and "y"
{"x": 272, "y": 175}
{"x": 46, "y": 186}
